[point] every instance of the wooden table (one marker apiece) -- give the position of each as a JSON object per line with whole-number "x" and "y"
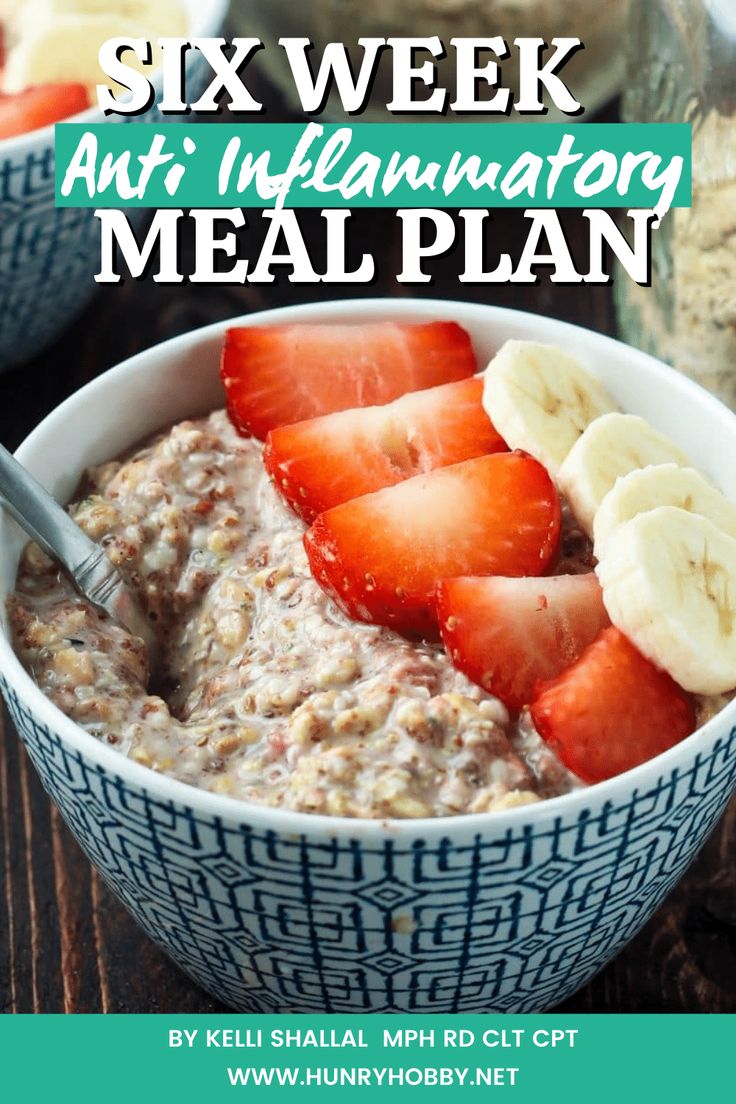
{"x": 66, "y": 945}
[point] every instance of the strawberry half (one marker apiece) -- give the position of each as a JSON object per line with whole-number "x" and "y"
{"x": 278, "y": 375}
{"x": 507, "y": 634}
{"x": 381, "y": 556}
{"x": 322, "y": 462}
{"x": 40, "y": 105}
{"x": 612, "y": 710}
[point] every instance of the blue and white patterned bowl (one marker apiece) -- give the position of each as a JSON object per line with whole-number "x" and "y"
{"x": 272, "y": 910}
{"x": 49, "y": 255}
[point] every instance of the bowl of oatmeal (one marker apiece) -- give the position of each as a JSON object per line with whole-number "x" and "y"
{"x": 48, "y": 256}
{"x": 289, "y": 846}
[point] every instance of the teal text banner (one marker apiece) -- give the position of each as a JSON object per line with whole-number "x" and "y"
{"x": 519, "y": 1059}
{"x": 398, "y": 165}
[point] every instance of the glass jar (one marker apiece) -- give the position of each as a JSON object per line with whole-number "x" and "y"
{"x": 682, "y": 68}
{"x": 594, "y": 74}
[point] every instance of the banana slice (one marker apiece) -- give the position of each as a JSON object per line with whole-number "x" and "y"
{"x": 63, "y": 49}
{"x": 661, "y": 485}
{"x": 50, "y": 45}
{"x": 611, "y": 446}
{"x": 540, "y": 400}
{"x": 157, "y": 17}
{"x": 669, "y": 584}
{"x": 139, "y": 10}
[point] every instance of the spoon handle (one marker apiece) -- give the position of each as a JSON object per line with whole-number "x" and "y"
{"x": 48, "y": 524}
{"x": 93, "y": 574}
{"x": 41, "y": 516}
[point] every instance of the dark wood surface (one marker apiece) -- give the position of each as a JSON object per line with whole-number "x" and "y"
{"x": 66, "y": 945}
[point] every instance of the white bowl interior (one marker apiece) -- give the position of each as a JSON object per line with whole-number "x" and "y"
{"x": 180, "y": 378}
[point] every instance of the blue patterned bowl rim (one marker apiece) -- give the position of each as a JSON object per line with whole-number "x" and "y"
{"x": 620, "y": 789}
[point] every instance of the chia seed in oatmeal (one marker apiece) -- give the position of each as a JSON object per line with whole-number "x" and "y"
{"x": 269, "y": 693}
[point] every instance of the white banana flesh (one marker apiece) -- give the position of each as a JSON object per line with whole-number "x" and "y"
{"x": 59, "y": 40}
{"x": 540, "y": 400}
{"x": 613, "y": 445}
{"x": 665, "y": 538}
{"x": 661, "y": 485}
{"x": 669, "y": 584}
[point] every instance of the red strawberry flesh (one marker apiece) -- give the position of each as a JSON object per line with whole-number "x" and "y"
{"x": 39, "y": 106}
{"x": 322, "y": 462}
{"x": 611, "y": 710}
{"x": 508, "y": 633}
{"x": 278, "y": 375}
{"x": 381, "y": 556}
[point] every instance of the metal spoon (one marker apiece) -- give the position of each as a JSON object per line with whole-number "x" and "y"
{"x": 89, "y": 569}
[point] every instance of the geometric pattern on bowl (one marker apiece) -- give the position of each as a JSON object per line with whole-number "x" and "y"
{"x": 511, "y": 919}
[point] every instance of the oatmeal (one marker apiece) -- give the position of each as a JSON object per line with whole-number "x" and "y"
{"x": 267, "y": 691}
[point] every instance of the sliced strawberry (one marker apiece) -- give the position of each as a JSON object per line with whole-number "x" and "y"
{"x": 611, "y": 710}
{"x": 322, "y": 462}
{"x": 36, "y": 107}
{"x": 278, "y": 375}
{"x": 507, "y": 634}
{"x": 381, "y": 556}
